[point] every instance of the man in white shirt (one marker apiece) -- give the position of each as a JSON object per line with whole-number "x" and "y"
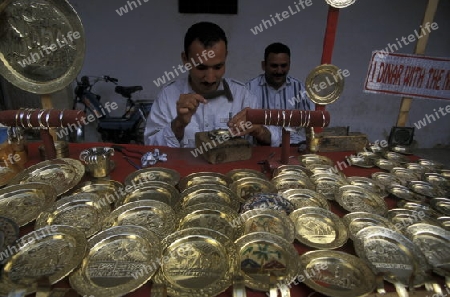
{"x": 181, "y": 109}
{"x": 275, "y": 89}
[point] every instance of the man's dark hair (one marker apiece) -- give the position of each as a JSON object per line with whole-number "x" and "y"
{"x": 207, "y": 33}
{"x": 276, "y": 48}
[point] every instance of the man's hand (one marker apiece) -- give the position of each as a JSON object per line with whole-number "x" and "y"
{"x": 187, "y": 105}
{"x": 239, "y": 126}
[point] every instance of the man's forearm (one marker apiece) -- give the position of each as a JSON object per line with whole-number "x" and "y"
{"x": 178, "y": 129}
{"x": 262, "y": 135}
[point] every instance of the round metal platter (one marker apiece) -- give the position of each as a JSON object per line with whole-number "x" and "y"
{"x": 423, "y": 188}
{"x": 361, "y": 161}
{"x": 151, "y": 174}
{"x": 417, "y": 168}
{"x": 426, "y": 208}
{"x": 155, "y": 190}
{"x": 6, "y": 175}
{"x": 287, "y": 181}
{"x": 445, "y": 222}
{"x": 441, "y": 205}
{"x": 199, "y": 178}
{"x": 270, "y": 201}
{"x": 51, "y": 252}
{"x": 340, "y": 3}
{"x": 434, "y": 242}
{"x": 367, "y": 183}
{"x": 24, "y": 203}
{"x": 386, "y": 164}
{"x": 153, "y": 215}
{"x": 445, "y": 173}
{"x": 310, "y": 159}
{"x": 405, "y": 175}
{"x": 403, "y": 218}
{"x": 324, "y": 74}
{"x": 63, "y": 174}
{"x": 200, "y": 262}
{"x": 9, "y": 233}
{"x": 247, "y": 186}
{"x": 401, "y": 149}
{"x": 338, "y": 274}
{"x": 292, "y": 169}
{"x": 355, "y": 198}
{"x": 237, "y": 174}
{"x": 327, "y": 169}
{"x": 262, "y": 255}
{"x": 405, "y": 193}
{"x": 305, "y": 197}
{"x": 79, "y": 210}
{"x": 208, "y": 193}
{"x": 356, "y": 221}
{"x": 438, "y": 180}
{"x": 396, "y": 157}
{"x": 268, "y": 220}
{"x": 103, "y": 188}
{"x": 392, "y": 254}
{"x": 318, "y": 228}
{"x": 120, "y": 260}
{"x": 385, "y": 179}
{"x": 217, "y": 217}
{"x": 328, "y": 184}
{"x": 433, "y": 166}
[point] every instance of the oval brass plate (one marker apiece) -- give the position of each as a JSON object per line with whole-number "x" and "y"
{"x": 120, "y": 260}
{"x": 247, "y": 186}
{"x": 324, "y": 84}
{"x": 310, "y": 159}
{"x": 319, "y": 228}
{"x": 155, "y": 190}
{"x": 150, "y": 174}
{"x": 335, "y": 273}
{"x": 361, "y": 161}
{"x": 441, "y": 205}
{"x": 6, "y": 175}
{"x": 403, "y": 218}
{"x": 305, "y": 197}
{"x": 209, "y": 193}
{"x": 355, "y": 198}
{"x": 404, "y": 193}
{"x": 203, "y": 178}
{"x": 292, "y": 169}
{"x": 108, "y": 191}
{"x": 356, "y": 221}
{"x": 237, "y": 174}
{"x": 9, "y": 232}
{"x": 423, "y": 188}
{"x": 369, "y": 184}
{"x": 404, "y": 174}
{"x": 396, "y": 157}
{"x": 42, "y": 45}
{"x": 328, "y": 184}
{"x": 433, "y": 166}
{"x": 386, "y": 164}
{"x": 386, "y": 179}
{"x": 288, "y": 181}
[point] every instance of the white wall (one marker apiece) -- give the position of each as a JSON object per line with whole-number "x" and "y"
{"x": 143, "y": 43}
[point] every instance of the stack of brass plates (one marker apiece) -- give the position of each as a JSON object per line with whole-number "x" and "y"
{"x": 23, "y": 203}
{"x": 237, "y": 174}
{"x": 357, "y": 221}
{"x": 209, "y": 193}
{"x": 305, "y": 197}
{"x": 268, "y": 200}
{"x": 445, "y": 222}
{"x": 247, "y": 186}
{"x": 63, "y": 174}
{"x": 79, "y": 210}
{"x": 266, "y": 259}
{"x": 319, "y": 228}
{"x": 200, "y": 262}
{"x": 445, "y": 173}
{"x": 151, "y": 174}
{"x": 355, "y": 198}
{"x": 328, "y": 184}
{"x": 337, "y": 274}
{"x": 120, "y": 260}
{"x": 155, "y": 190}
{"x": 424, "y": 207}
{"x": 288, "y": 181}
{"x": 203, "y": 178}
{"x": 153, "y": 215}
{"x": 268, "y": 220}
{"x": 369, "y": 184}
{"x": 402, "y": 149}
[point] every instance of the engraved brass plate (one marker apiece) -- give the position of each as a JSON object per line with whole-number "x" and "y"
{"x": 405, "y": 175}
{"x": 292, "y": 169}
{"x": 417, "y": 168}
{"x": 396, "y": 157}
{"x": 369, "y": 184}
{"x": 247, "y": 186}
{"x": 150, "y": 174}
{"x": 63, "y": 174}
{"x": 356, "y": 221}
{"x": 439, "y": 181}
{"x": 209, "y": 193}
{"x": 361, "y": 161}
{"x": 107, "y": 190}
{"x": 203, "y": 178}
{"x": 433, "y": 166}
{"x": 338, "y": 274}
{"x": 288, "y": 181}
{"x": 441, "y": 205}
{"x": 386, "y": 164}
{"x": 24, "y": 203}
{"x": 237, "y": 174}
{"x": 6, "y": 175}
{"x": 387, "y": 179}
{"x": 403, "y": 218}
{"x": 305, "y": 197}
{"x": 42, "y": 45}
{"x": 155, "y": 190}
{"x": 328, "y": 184}
{"x": 310, "y": 159}
{"x": 403, "y": 192}
{"x": 319, "y": 228}
{"x": 423, "y": 188}
{"x": 355, "y": 198}
{"x": 9, "y": 232}
{"x": 417, "y": 207}
{"x": 401, "y": 149}
{"x": 324, "y": 74}
{"x": 120, "y": 260}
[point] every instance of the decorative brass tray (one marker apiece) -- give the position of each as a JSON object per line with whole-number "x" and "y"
{"x": 23, "y": 203}
{"x": 247, "y": 186}
{"x": 403, "y": 218}
{"x": 437, "y": 180}
{"x": 368, "y": 183}
{"x": 153, "y": 215}
{"x": 268, "y": 220}
{"x": 237, "y": 174}
{"x": 393, "y": 255}
{"x": 422, "y": 188}
{"x": 209, "y": 193}
{"x": 9, "y": 233}
{"x": 292, "y": 169}
{"x": 405, "y": 193}
{"x": 6, "y": 175}
{"x": 319, "y": 228}
{"x": 445, "y": 222}
{"x": 264, "y": 256}
{"x": 433, "y": 166}
{"x": 328, "y": 184}
{"x": 386, "y": 164}
{"x": 151, "y": 174}
{"x": 441, "y": 205}
{"x": 200, "y": 262}
{"x": 102, "y": 187}
{"x": 396, "y": 157}
{"x": 323, "y": 74}
{"x": 203, "y": 178}
{"x": 355, "y": 198}
{"x": 79, "y": 210}
{"x": 310, "y": 159}
{"x": 50, "y": 252}
{"x": 305, "y": 197}
{"x": 218, "y": 217}
{"x": 63, "y": 174}
{"x": 155, "y": 190}
{"x": 356, "y": 221}
{"x": 120, "y": 260}
{"x": 417, "y": 168}
{"x": 327, "y": 169}
{"x": 387, "y": 179}
{"x": 288, "y": 181}
{"x": 401, "y": 149}
{"x": 361, "y": 161}
{"x": 405, "y": 175}
{"x": 338, "y": 274}
{"x": 426, "y": 208}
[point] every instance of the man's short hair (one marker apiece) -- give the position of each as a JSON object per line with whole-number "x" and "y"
{"x": 276, "y": 48}
{"x": 206, "y": 32}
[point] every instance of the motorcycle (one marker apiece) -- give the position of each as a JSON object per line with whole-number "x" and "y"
{"x": 127, "y": 128}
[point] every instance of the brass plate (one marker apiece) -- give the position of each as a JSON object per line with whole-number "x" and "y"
{"x": 262, "y": 255}
{"x": 305, "y": 197}
{"x": 217, "y": 217}
{"x": 445, "y": 222}
{"x": 318, "y": 228}
{"x": 361, "y": 161}
{"x": 392, "y": 254}
{"x": 268, "y": 220}
{"x": 422, "y": 188}
{"x": 107, "y": 190}
{"x": 375, "y": 148}
{"x": 310, "y": 159}
{"x": 434, "y": 242}
{"x": 6, "y": 175}
{"x": 340, "y": 3}
{"x": 445, "y": 173}
{"x": 120, "y": 260}
{"x": 153, "y": 215}
{"x": 200, "y": 262}
{"x": 328, "y": 184}
{"x": 417, "y": 207}
{"x": 237, "y": 174}
{"x": 208, "y": 193}
{"x": 441, "y": 205}
{"x": 288, "y": 181}
{"x": 386, "y": 164}
{"x": 356, "y": 221}
{"x": 155, "y": 190}
{"x": 324, "y": 74}
{"x": 416, "y": 168}
{"x": 31, "y": 29}
{"x": 433, "y": 166}
{"x": 402, "y": 218}
{"x": 396, "y": 157}
{"x": 338, "y": 274}
{"x": 63, "y": 174}
{"x": 354, "y": 198}
{"x": 24, "y": 203}
{"x": 79, "y": 210}
{"x": 328, "y": 169}
{"x": 404, "y": 193}
{"x": 247, "y": 186}
{"x": 151, "y": 174}
{"x": 437, "y": 180}
{"x": 51, "y": 252}
{"x": 387, "y": 179}
{"x": 292, "y": 169}
{"x": 404, "y": 174}
{"x": 9, "y": 232}
{"x": 203, "y": 178}
{"x": 368, "y": 183}
{"x": 401, "y": 149}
